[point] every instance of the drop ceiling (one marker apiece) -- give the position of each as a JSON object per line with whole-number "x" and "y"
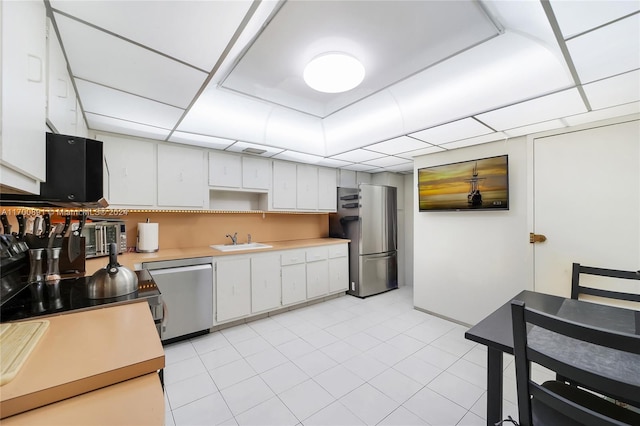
{"x": 440, "y": 75}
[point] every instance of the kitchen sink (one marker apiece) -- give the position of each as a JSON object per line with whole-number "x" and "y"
{"x": 239, "y": 247}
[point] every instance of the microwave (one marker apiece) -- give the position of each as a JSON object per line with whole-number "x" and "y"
{"x": 98, "y": 235}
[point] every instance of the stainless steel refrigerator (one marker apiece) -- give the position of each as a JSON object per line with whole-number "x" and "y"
{"x": 367, "y": 215}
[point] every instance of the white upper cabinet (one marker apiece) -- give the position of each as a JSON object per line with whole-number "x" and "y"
{"x": 225, "y": 170}
{"x": 327, "y": 189}
{"x": 307, "y": 190}
{"x": 284, "y": 186}
{"x": 181, "y": 181}
{"x": 256, "y": 173}
{"x": 23, "y": 50}
{"x": 61, "y": 97}
{"x": 130, "y": 171}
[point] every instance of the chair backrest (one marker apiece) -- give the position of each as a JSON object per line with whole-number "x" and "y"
{"x": 577, "y": 289}
{"x": 567, "y": 348}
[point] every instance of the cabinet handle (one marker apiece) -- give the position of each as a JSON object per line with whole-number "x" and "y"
{"x": 124, "y": 172}
{"x": 233, "y": 290}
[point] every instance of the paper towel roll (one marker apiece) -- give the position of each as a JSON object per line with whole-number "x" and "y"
{"x": 147, "y": 237}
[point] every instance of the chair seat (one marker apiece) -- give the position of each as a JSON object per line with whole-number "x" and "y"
{"x": 544, "y": 415}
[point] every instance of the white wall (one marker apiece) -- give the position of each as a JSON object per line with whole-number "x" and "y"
{"x": 468, "y": 263}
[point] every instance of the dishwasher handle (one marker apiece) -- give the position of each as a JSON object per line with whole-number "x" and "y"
{"x": 179, "y": 269}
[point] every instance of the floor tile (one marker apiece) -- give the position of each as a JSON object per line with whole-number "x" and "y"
{"x": 434, "y": 408}
{"x": 246, "y": 394}
{"x": 402, "y": 417}
{"x": 428, "y": 332}
{"x": 211, "y": 409}
{"x": 283, "y": 377}
{"x": 386, "y": 354}
{"x": 454, "y": 344}
{"x": 183, "y": 370}
{"x": 405, "y": 344}
{"x": 340, "y": 351}
{"x": 278, "y": 337}
{"x": 252, "y": 346}
{"x": 382, "y": 332}
{"x": 238, "y": 333}
{"x": 315, "y": 363}
{"x": 477, "y": 355}
{"x": 320, "y": 338}
{"x": 395, "y": 385}
{"x": 188, "y": 390}
{"x": 335, "y": 414}
{"x": 220, "y": 357}
{"x": 457, "y": 390}
{"x": 362, "y": 341}
{"x": 472, "y": 373}
{"x": 365, "y": 366}
{"x": 295, "y": 348}
{"x": 265, "y": 325}
{"x": 232, "y": 373}
{"x": 303, "y": 328}
{"x": 471, "y": 419}
{"x": 266, "y": 360}
{"x": 343, "y": 331}
{"x": 436, "y": 356}
{"x": 271, "y": 412}
{"x": 338, "y": 381}
{"x": 369, "y": 404}
{"x": 179, "y": 352}
{"x": 306, "y": 399}
{"x": 209, "y": 342}
{"x": 418, "y": 370}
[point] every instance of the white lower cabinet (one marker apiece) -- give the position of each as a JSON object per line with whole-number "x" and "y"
{"x": 317, "y": 272}
{"x": 265, "y": 282}
{"x": 233, "y": 288}
{"x": 249, "y": 284}
{"x": 338, "y": 274}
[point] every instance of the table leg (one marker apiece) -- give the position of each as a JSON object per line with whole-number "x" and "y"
{"x": 494, "y": 386}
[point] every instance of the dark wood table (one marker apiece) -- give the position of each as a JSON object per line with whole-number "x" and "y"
{"x": 495, "y": 332}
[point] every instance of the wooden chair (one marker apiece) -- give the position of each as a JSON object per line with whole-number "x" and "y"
{"x": 577, "y": 289}
{"x": 557, "y": 403}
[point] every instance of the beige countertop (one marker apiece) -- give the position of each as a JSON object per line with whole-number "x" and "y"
{"x": 133, "y": 260}
{"x": 82, "y": 352}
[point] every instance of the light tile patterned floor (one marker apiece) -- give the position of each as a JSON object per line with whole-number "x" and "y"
{"x": 347, "y": 361}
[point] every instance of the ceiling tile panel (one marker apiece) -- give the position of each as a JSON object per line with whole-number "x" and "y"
{"x": 196, "y": 32}
{"x": 200, "y": 140}
{"x": 330, "y": 162}
{"x": 387, "y": 161}
{"x": 604, "y": 114}
{"x": 614, "y": 91}
{"x": 607, "y": 51}
{"x": 113, "y": 62}
{"x": 113, "y": 103}
{"x": 114, "y": 125}
{"x": 535, "y": 128}
{"x": 575, "y": 17}
{"x": 358, "y": 156}
{"x": 363, "y": 168}
{"x": 424, "y": 151}
{"x": 299, "y": 157}
{"x": 478, "y": 140}
{"x": 398, "y": 145}
{"x": 556, "y": 105}
{"x": 461, "y": 129}
{"x": 375, "y": 32}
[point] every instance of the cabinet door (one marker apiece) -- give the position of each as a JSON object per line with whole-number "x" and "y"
{"x": 338, "y": 274}
{"x": 317, "y": 279}
{"x": 265, "y": 283}
{"x": 233, "y": 288}
{"x": 327, "y": 189}
{"x": 256, "y": 173}
{"x": 23, "y": 50}
{"x": 225, "y": 170}
{"x": 294, "y": 284}
{"x": 61, "y": 99}
{"x": 284, "y": 185}
{"x": 131, "y": 170}
{"x": 180, "y": 176}
{"x": 307, "y": 189}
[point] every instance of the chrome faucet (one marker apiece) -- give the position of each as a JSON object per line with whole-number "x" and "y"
{"x": 234, "y": 238}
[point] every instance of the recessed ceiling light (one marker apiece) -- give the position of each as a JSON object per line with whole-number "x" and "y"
{"x": 333, "y": 73}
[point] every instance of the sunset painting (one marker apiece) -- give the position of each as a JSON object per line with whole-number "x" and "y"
{"x": 471, "y": 185}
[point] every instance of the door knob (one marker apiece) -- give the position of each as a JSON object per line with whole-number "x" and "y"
{"x": 536, "y": 238}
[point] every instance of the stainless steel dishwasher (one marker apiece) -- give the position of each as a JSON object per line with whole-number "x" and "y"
{"x": 187, "y": 289}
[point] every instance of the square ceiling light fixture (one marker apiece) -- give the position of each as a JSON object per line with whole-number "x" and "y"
{"x": 334, "y": 72}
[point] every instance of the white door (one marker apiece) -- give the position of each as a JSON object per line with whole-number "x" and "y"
{"x": 587, "y": 204}
{"x": 265, "y": 283}
{"x": 233, "y": 288}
